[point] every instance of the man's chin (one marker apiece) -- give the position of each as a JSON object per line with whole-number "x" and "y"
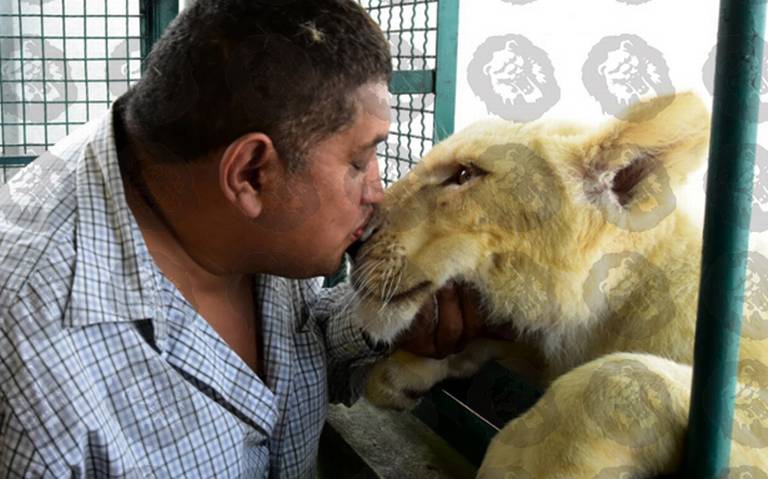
{"x": 335, "y": 267}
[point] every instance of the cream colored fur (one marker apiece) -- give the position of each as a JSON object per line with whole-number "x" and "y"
{"x": 572, "y": 236}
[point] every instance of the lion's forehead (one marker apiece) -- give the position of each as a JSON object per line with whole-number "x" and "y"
{"x": 504, "y": 148}
{"x": 493, "y": 155}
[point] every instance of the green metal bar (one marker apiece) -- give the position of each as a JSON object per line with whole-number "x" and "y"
{"x": 726, "y": 233}
{"x": 445, "y": 76}
{"x": 15, "y": 161}
{"x": 157, "y": 15}
{"x": 415, "y": 81}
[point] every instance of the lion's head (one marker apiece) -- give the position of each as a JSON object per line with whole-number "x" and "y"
{"x": 522, "y": 212}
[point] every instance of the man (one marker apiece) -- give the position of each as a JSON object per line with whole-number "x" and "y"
{"x": 154, "y": 317}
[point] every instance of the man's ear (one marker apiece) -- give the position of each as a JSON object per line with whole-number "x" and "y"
{"x": 245, "y": 166}
{"x": 663, "y": 139}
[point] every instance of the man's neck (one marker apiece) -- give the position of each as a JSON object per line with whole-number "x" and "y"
{"x": 159, "y": 214}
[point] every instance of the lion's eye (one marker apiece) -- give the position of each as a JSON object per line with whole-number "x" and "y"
{"x": 463, "y": 175}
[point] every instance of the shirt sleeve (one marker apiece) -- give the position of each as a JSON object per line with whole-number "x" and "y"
{"x": 350, "y": 353}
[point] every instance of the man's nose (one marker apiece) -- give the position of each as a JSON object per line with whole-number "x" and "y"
{"x": 373, "y": 192}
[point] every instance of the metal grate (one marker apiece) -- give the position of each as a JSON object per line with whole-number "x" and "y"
{"x": 411, "y": 27}
{"x": 423, "y": 83}
{"x": 62, "y": 62}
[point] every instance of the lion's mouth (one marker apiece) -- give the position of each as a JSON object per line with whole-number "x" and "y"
{"x": 395, "y": 298}
{"x": 409, "y": 293}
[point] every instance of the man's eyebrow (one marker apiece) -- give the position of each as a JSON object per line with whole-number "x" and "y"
{"x": 374, "y": 142}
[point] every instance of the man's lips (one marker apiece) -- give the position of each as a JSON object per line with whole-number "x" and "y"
{"x": 360, "y": 231}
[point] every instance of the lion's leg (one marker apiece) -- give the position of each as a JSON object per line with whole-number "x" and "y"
{"x": 399, "y": 381}
{"x": 622, "y": 413}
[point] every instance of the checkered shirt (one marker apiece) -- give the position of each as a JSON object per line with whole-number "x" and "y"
{"x": 107, "y": 371}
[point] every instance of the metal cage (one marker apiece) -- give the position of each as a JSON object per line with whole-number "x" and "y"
{"x": 61, "y": 64}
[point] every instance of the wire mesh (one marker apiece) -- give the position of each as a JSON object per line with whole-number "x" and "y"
{"x": 411, "y": 28}
{"x": 62, "y": 63}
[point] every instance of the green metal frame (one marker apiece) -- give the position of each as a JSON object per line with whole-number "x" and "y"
{"x": 76, "y": 48}
{"x": 726, "y": 234}
{"x": 445, "y": 76}
{"x": 153, "y": 16}
{"x": 157, "y": 14}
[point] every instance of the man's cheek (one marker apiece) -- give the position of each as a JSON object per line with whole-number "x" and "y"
{"x": 353, "y": 186}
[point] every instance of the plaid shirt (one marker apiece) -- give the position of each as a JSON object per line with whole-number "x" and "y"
{"x": 106, "y": 370}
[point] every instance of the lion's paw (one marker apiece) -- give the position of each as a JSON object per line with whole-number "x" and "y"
{"x": 399, "y": 381}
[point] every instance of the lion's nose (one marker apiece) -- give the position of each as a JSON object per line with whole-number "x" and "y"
{"x": 370, "y": 229}
{"x": 372, "y": 226}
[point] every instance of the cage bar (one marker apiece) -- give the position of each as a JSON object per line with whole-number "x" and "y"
{"x": 726, "y": 235}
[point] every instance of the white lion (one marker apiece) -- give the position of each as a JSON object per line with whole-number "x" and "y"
{"x": 571, "y": 236}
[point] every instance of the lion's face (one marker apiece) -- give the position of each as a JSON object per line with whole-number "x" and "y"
{"x": 445, "y": 218}
{"x": 496, "y": 197}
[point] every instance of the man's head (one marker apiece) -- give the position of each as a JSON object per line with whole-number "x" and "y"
{"x": 285, "y": 68}
{"x": 257, "y": 123}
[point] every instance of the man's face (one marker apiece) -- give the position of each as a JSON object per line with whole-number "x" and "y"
{"x": 320, "y": 209}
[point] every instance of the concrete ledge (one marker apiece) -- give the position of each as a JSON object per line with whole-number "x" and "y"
{"x": 363, "y": 441}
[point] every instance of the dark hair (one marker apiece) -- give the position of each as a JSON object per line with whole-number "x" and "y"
{"x": 286, "y": 68}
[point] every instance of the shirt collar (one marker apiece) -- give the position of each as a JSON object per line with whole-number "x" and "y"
{"x": 115, "y": 277}
{"x": 114, "y": 273}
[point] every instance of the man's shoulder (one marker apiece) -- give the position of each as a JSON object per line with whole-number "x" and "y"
{"x": 39, "y": 208}
{"x": 37, "y": 218}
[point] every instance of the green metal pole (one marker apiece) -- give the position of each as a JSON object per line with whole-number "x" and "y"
{"x": 726, "y": 233}
{"x": 412, "y": 82}
{"x": 156, "y": 15}
{"x": 445, "y": 76}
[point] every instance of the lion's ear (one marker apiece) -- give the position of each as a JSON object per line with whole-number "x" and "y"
{"x": 663, "y": 139}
